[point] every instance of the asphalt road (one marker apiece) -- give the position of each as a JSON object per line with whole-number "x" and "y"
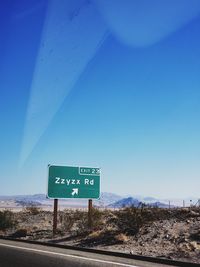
{"x": 18, "y": 254}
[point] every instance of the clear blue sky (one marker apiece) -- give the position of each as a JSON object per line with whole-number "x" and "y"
{"x": 85, "y": 84}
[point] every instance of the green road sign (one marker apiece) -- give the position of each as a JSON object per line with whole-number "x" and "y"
{"x": 73, "y": 182}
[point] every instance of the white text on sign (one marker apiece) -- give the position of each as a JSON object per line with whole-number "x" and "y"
{"x": 86, "y": 181}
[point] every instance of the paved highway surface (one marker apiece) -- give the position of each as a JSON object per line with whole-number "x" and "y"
{"x": 18, "y": 254}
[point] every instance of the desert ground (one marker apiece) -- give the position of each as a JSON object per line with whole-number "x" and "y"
{"x": 166, "y": 233}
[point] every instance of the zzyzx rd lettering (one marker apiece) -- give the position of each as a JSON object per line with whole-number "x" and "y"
{"x": 59, "y": 180}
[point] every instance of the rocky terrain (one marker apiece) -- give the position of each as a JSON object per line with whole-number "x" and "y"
{"x": 168, "y": 233}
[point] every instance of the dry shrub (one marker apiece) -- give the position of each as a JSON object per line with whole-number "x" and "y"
{"x": 74, "y": 220}
{"x": 95, "y": 234}
{"x": 97, "y": 219}
{"x": 82, "y": 223}
{"x": 33, "y": 210}
{"x": 6, "y": 220}
{"x": 121, "y": 238}
{"x": 129, "y": 220}
{"x": 67, "y": 220}
{"x": 20, "y": 233}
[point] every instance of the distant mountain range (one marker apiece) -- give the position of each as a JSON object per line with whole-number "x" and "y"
{"x": 109, "y": 200}
{"x": 133, "y": 202}
{"x": 125, "y": 202}
{"x": 41, "y": 200}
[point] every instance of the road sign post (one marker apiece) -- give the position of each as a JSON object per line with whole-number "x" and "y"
{"x": 90, "y": 213}
{"x": 55, "y": 216}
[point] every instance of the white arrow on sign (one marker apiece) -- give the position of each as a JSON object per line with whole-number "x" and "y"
{"x": 74, "y": 191}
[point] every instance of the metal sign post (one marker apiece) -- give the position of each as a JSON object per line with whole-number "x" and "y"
{"x": 90, "y": 213}
{"x": 55, "y": 216}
